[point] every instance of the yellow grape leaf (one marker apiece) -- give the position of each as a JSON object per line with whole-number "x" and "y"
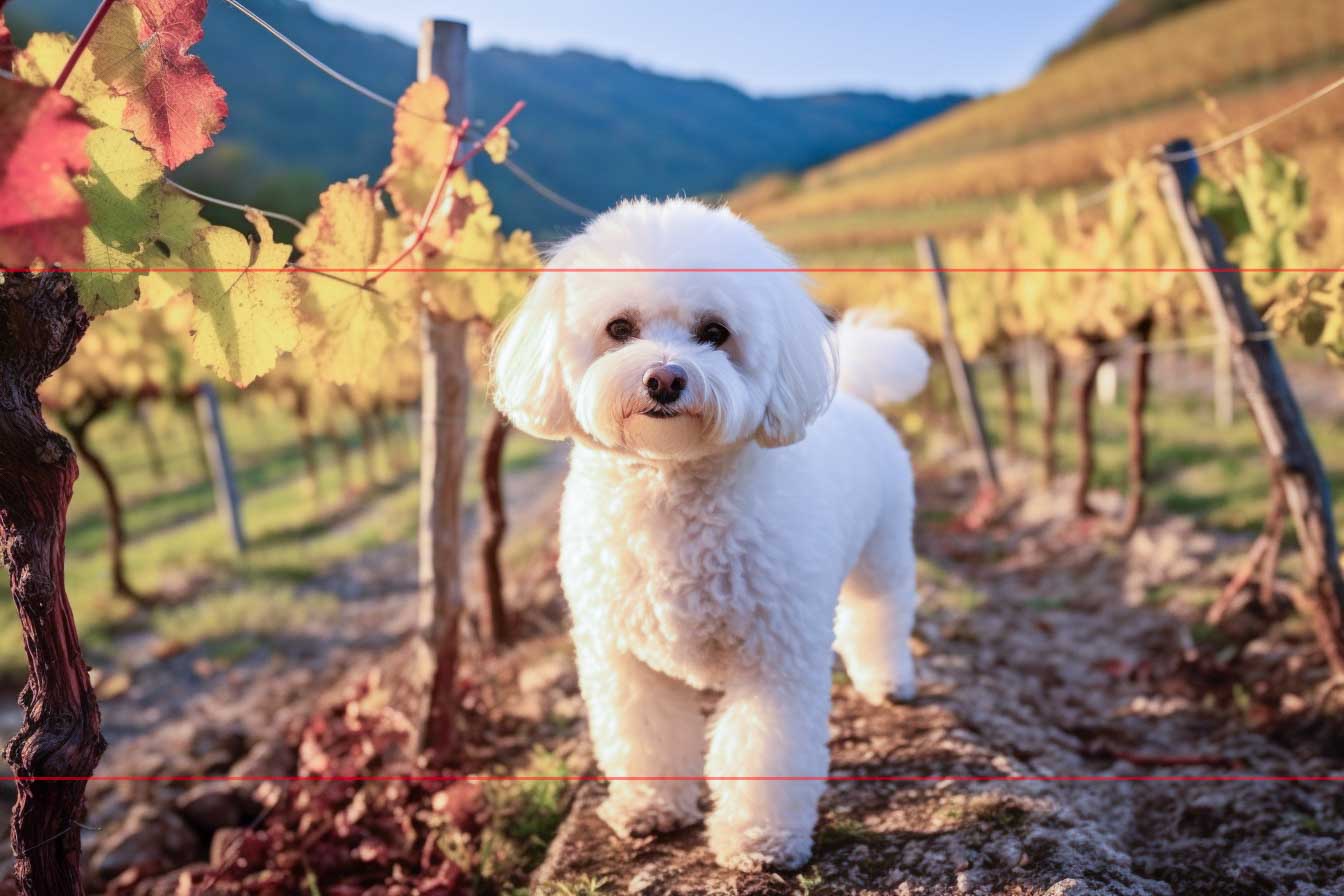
{"x": 41, "y": 62}
{"x": 352, "y": 324}
{"x": 422, "y": 142}
{"x": 497, "y": 146}
{"x": 247, "y": 316}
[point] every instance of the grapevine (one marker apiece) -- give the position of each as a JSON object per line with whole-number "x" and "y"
{"x": 95, "y": 126}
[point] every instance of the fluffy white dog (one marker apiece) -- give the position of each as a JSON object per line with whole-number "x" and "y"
{"x": 721, "y": 497}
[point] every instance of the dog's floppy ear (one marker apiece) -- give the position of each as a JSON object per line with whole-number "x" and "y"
{"x": 805, "y": 382}
{"x": 525, "y": 367}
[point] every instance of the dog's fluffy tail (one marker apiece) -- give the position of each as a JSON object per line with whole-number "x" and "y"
{"x": 879, "y": 363}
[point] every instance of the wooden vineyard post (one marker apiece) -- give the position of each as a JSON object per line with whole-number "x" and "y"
{"x": 963, "y": 381}
{"x": 443, "y": 448}
{"x": 228, "y": 501}
{"x": 1295, "y": 464}
{"x": 41, "y": 322}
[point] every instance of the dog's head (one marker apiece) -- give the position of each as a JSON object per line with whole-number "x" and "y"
{"x": 666, "y": 364}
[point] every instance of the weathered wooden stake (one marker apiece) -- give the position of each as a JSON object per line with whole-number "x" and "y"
{"x": 963, "y": 381}
{"x": 1283, "y": 430}
{"x": 228, "y": 501}
{"x": 443, "y": 448}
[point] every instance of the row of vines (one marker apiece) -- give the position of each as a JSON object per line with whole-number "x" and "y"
{"x": 1107, "y": 277}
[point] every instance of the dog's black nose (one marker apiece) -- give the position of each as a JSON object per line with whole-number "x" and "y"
{"x": 665, "y": 382}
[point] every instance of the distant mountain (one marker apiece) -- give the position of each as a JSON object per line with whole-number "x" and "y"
{"x": 595, "y": 129}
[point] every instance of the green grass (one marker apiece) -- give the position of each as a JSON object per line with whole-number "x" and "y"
{"x": 524, "y": 816}
{"x": 176, "y": 543}
{"x": 1217, "y": 475}
{"x": 250, "y": 611}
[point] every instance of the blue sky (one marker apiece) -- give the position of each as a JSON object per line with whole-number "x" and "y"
{"x": 771, "y": 46}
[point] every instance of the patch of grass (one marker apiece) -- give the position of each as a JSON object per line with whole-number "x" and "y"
{"x": 581, "y": 886}
{"x": 843, "y": 831}
{"x": 951, "y": 590}
{"x": 524, "y": 816}
{"x": 529, "y": 812}
{"x": 808, "y": 883}
{"x": 248, "y": 611}
{"x": 1045, "y": 604}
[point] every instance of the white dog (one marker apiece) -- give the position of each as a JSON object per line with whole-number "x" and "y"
{"x": 720, "y": 498}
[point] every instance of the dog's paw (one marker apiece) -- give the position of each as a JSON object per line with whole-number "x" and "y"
{"x": 757, "y": 849}
{"x": 646, "y": 816}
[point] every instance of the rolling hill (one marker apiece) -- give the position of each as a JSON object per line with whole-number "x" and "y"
{"x": 1086, "y": 112}
{"x": 595, "y": 129}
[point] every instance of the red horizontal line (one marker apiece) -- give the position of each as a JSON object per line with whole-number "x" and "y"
{"x": 689, "y": 270}
{"x": 324, "y": 779}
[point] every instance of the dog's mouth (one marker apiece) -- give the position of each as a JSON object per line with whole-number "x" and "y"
{"x": 661, "y": 413}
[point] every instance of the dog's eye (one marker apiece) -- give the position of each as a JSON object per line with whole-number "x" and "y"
{"x": 713, "y": 333}
{"x": 621, "y": 329}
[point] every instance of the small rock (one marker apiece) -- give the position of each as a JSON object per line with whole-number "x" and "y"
{"x": 150, "y": 838}
{"x": 267, "y": 759}
{"x": 216, "y": 747}
{"x": 970, "y": 881}
{"x": 642, "y": 882}
{"x": 1069, "y": 886}
{"x": 212, "y": 805}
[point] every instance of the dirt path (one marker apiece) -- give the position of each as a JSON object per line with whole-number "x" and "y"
{"x": 1045, "y": 653}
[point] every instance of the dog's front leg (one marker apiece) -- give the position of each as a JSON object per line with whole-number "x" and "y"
{"x": 768, "y": 728}
{"x": 643, "y": 725}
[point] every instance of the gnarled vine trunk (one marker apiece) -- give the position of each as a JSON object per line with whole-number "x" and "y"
{"x": 1008, "y": 377}
{"x": 41, "y": 322}
{"x": 1087, "y": 387}
{"x": 1054, "y": 380}
{"x": 1138, "y": 437}
{"x": 78, "y": 428}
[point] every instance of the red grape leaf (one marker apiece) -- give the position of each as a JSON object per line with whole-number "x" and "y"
{"x": 6, "y": 42}
{"x": 173, "y": 103}
{"x": 41, "y": 149}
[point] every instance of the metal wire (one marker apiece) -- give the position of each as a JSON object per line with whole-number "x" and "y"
{"x": 541, "y": 189}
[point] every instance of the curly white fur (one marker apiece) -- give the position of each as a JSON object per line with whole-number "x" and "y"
{"x": 729, "y": 547}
